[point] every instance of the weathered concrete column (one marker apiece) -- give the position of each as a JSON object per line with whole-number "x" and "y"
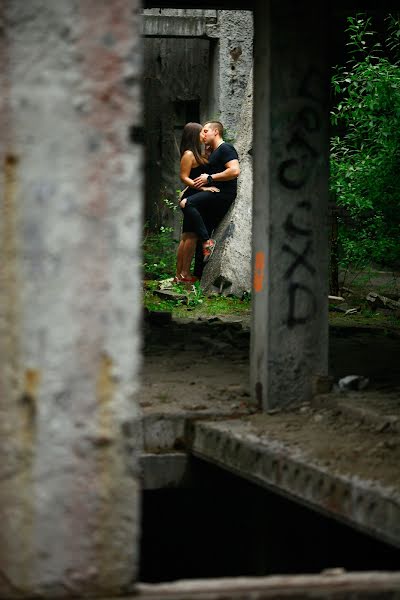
{"x": 70, "y": 220}
{"x": 290, "y": 331}
{"x": 231, "y": 63}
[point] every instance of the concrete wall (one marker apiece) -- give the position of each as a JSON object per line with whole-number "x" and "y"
{"x": 70, "y": 218}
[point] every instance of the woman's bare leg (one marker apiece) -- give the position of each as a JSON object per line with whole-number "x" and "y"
{"x": 179, "y": 258}
{"x": 188, "y": 253}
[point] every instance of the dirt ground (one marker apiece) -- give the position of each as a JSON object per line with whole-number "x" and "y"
{"x": 201, "y": 367}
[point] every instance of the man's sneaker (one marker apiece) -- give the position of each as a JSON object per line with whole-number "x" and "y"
{"x": 208, "y": 249}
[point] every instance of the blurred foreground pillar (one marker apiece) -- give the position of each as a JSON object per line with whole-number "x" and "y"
{"x": 70, "y": 223}
{"x": 290, "y": 243}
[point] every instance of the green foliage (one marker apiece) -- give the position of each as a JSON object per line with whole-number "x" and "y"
{"x": 154, "y": 303}
{"x": 229, "y": 135}
{"x": 159, "y": 252}
{"x": 194, "y": 293}
{"x": 365, "y": 150}
{"x": 173, "y": 206}
{"x": 159, "y": 247}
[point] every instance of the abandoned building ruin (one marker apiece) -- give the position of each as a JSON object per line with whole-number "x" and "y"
{"x": 198, "y": 66}
{"x": 77, "y": 449}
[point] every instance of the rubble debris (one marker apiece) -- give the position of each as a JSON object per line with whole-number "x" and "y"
{"x": 170, "y": 295}
{"x": 335, "y": 299}
{"x": 378, "y": 301}
{"x": 352, "y": 311}
{"x": 166, "y": 284}
{"x": 353, "y": 382}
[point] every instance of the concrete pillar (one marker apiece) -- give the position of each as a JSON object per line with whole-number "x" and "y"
{"x": 70, "y": 223}
{"x": 231, "y": 63}
{"x": 290, "y": 247}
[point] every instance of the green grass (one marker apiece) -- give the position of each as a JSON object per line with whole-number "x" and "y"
{"x": 365, "y": 318}
{"x": 215, "y": 305}
{"x": 196, "y": 303}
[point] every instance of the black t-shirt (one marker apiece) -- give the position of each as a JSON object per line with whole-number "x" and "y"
{"x": 216, "y": 163}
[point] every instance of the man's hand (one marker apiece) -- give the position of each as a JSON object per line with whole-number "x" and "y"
{"x": 182, "y": 203}
{"x": 209, "y": 189}
{"x": 200, "y": 180}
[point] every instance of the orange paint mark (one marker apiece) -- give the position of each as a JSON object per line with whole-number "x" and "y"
{"x": 259, "y": 266}
{"x": 32, "y": 382}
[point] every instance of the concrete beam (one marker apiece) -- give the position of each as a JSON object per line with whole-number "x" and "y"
{"x": 331, "y": 585}
{"x": 362, "y": 504}
{"x": 163, "y": 432}
{"x": 179, "y": 27}
{"x": 292, "y": 471}
{"x": 201, "y": 4}
{"x": 161, "y": 471}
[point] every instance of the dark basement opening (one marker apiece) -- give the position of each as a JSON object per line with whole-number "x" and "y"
{"x": 220, "y": 525}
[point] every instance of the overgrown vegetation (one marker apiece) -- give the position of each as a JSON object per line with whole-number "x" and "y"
{"x": 159, "y": 251}
{"x": 365, "y": 150}
{"x": 159, "y": 246}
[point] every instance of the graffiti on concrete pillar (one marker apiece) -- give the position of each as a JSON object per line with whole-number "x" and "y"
{"x": 302, "y": 304}
{"x": 299, "y": 259}
{"x": 294, "y": 173}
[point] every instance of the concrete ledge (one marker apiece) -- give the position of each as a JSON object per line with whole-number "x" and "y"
{"x": 160, "y": 471}
{"x": 163, "y": 432}
{"x": 365, "y": 505}
{"x": 330, "y": 585}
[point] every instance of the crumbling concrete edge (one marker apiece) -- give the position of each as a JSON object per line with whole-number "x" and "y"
{"x": 364, "y": 505}
{"x": 168, "y": 440}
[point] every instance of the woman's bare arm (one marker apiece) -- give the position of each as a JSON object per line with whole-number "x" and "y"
{"x": 186, "y": 167}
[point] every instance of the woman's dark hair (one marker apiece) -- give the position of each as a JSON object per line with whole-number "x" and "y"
{"x": 191, "y": 141}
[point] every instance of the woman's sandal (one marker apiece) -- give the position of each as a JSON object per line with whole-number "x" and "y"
{"x": 208, "y": 249}
{"x": 185, "y": 279}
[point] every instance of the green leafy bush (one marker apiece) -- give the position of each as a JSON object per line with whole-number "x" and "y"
{"x": 365, "y": 150}
{"x": 159, "y": 247}
{"x": 159, "y": 252}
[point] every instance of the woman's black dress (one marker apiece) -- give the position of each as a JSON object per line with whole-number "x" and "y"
{"x": 188, "y": 225}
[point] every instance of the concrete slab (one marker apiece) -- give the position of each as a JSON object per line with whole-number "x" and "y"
{"x": 246, "y": 448}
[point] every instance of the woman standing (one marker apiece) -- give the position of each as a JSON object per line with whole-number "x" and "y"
{"x": 193, "y": 163}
